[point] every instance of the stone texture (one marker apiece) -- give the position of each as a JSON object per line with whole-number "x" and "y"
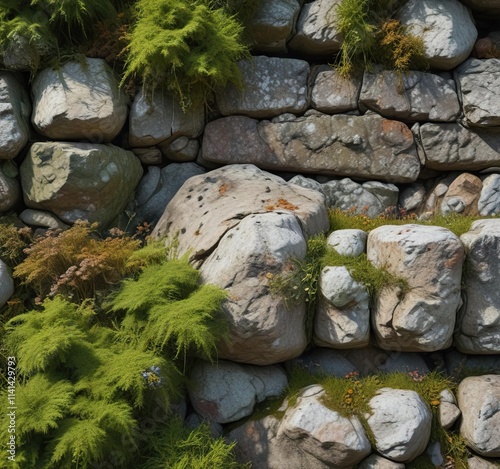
{"x": 182, "y": 149}
{"x": 160, "y": 118}
{"x": 271, "y": 86}
{"x": 457, "y": 361}
{"x": 308, "y": 183}
{"x": 479, "y": 318}
{"x": 446, "y": 27}
{"x": 348, "y": 242}
{"x": 479, "y": 400}
{"x": 148, "y": 156}
{"x": 334, "y": 94}
{"x": 25, "y": 55}
{"x": 342, "y": 317}
{"x": 401, "y": 424}
{"x": 402, "y": 362}
{"x": 225, "y": 392}
{"x": 430, "y": 258}
{"x": 489, "y": 199}
{"x": 479, "y": 463}
{"x": 412, "y": 196}
{"x": 437, "y": 190}
{"x": 367, "y": 360}
{"x": 264, "y": 328}
{"x": 367, "y": 147}
{"x": 6, "y": 283}
{"x": 479, "y": 84}
{"x": 453, "y": 147}
{"x": 79, "y": 102}
{"x": 42, "y": 219}
{"x": 333, "y": 439}
{"x": 10, "y": 192}
{"x": 158, "y": 187}
{"x": 369, "y": 198}
{"x": 15, "y": 109}
{"x": 448, "y": 414}
{"x": 320, "y": 360}
{"x": 413, "y": 96}
{"x": 316, "y": 30}
{"x": 217, "y": 201}
{"x": 84, "y": 181}
{"x": 375, "y": 461}
{"x": 488, "y": 8}
{"x": 272, "y": 25}
{"x": 462, "y": 195}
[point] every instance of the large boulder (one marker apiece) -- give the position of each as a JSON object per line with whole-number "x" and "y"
{"x": 272, "y": 24}
{"x": 75, "y": 181}
{"x": 479, "y": 84}
{"x": 349, "y": 242}
{"x": 367, "y": 147}
{"x": 478, "y": 328}
{"x": 225, "y": 392}
{"x": 479, "y": 400}
{"x": 10, "y": 191}
{"x": 6, "y": 283}
{"x": 14, "y": 117}
{"x": 401, "y": 424}
{"x": 430, "y": 259}
{"x": 79, "y": 101}
{"x": 342, "y": 317}
{"x": 271, "y": 86}
{"x": 450, "y": 147}
{"x": 160, "y": 118}
{"x": 446, "y": 27}
{"x": 324, "y": 433}
{"x": 413, "y": 96}
{"x": 489, "y": 200}
{"x": 317, "y": 32}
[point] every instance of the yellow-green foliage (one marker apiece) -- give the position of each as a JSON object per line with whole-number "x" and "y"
{"x": 185, "y": 46}
{"x": 13, "y": 242}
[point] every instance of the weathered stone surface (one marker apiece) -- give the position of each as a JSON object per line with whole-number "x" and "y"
{"x": 436, "y": 194}
{"x": 489, "y": 200}
{"x": 320, "y": 360}
{"x": 430, "y": 258}
{"x": 370, "y": 198}
{"x": 402, "y": 362}
{"x": 479, "y": 400}
{"x": 308, "y": 183}
{"x": 272, "y": 24}
{"x": 15, "y": 109}
{"x": 412, "y": 196}
{"x": 160, "y": 118}
{"x": 479, "y": 318}
{"x": 348, "y": 242}
{"x": 23, "y": 54}
{"x": 271, "y": 86}
{"x": 453, "y": 147}
{"x": 401, "y": 424}
{"x": 42, "y": 219}
{"x": 479, "y": 84}
{"x": 413, "y": 96}
{"x": 225, "y": 392}
{"x": 84, "y": 181}
{"x": 488, "y": 8}
{"x": 445, "y": 26}
{"x": 342, "y": 317}
{"x": 448, "y": 414}
{"x": 148, "y": 156}
{"x": 335, "y": 440}
{"x": 79, "y": 101}
{"x": 6, "y": 283}
{"x": 317, "y": 33}
{"x": 264, "y": 329}
{"x": 368, "y": 147}
{"x": 182, "y": 149}
{"x": 334, "y": 94}
{"x": 10, "y": 192}
{"x": 462, "y": 195}
{"x": 367, "y": 360}
{"x": 158, "y": 187}
{"x": 457, "y": 361}
{"x": 375, "y": 461}
{"x": 479, "y": 463}
{"x": 217, "y": 201}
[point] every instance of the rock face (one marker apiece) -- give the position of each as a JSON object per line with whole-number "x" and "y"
{"x": 158, "y": 118}
{"x": 414, "y": 96}
{"x": 271, "y": 86}
{"x": 369, "y": 146}
{"x": 401, "y": 424}
{"x": 446, "y": 27}
{"x": 342, "y": 317}
{"x": 10, "y": 192}
{"x": 79, "y": 180}
{"x": 320, "y": 360}
{"x": 479, "y": 319}
{"x": 316, "y": 30}
{"x": 226, "y": 392}
{"x": 374, "y": 461}
{"x": 79, "y": 102}
{"x": 335, "y": 440}
{"x": 334, "y": 94}
{"x": 14, "y": 116}
{"x": 488, "y": 8}
{"x": 453, "y": 147}
{"x": 6, "y": 283}
{"x": 348, "y": 242}
{"x": 263, "y": 328}
{"x": 489, "y": 200}
{"x": 479, "y": 82}
{"x": 272, "y": 24}
{"x": 430, "y": 259}
{"x": 479, "y": 401}
{"x": 462, "y": 195}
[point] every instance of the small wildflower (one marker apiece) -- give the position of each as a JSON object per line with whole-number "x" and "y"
{"x": 152, "y": 377}
{"x": 350, "y": 391}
